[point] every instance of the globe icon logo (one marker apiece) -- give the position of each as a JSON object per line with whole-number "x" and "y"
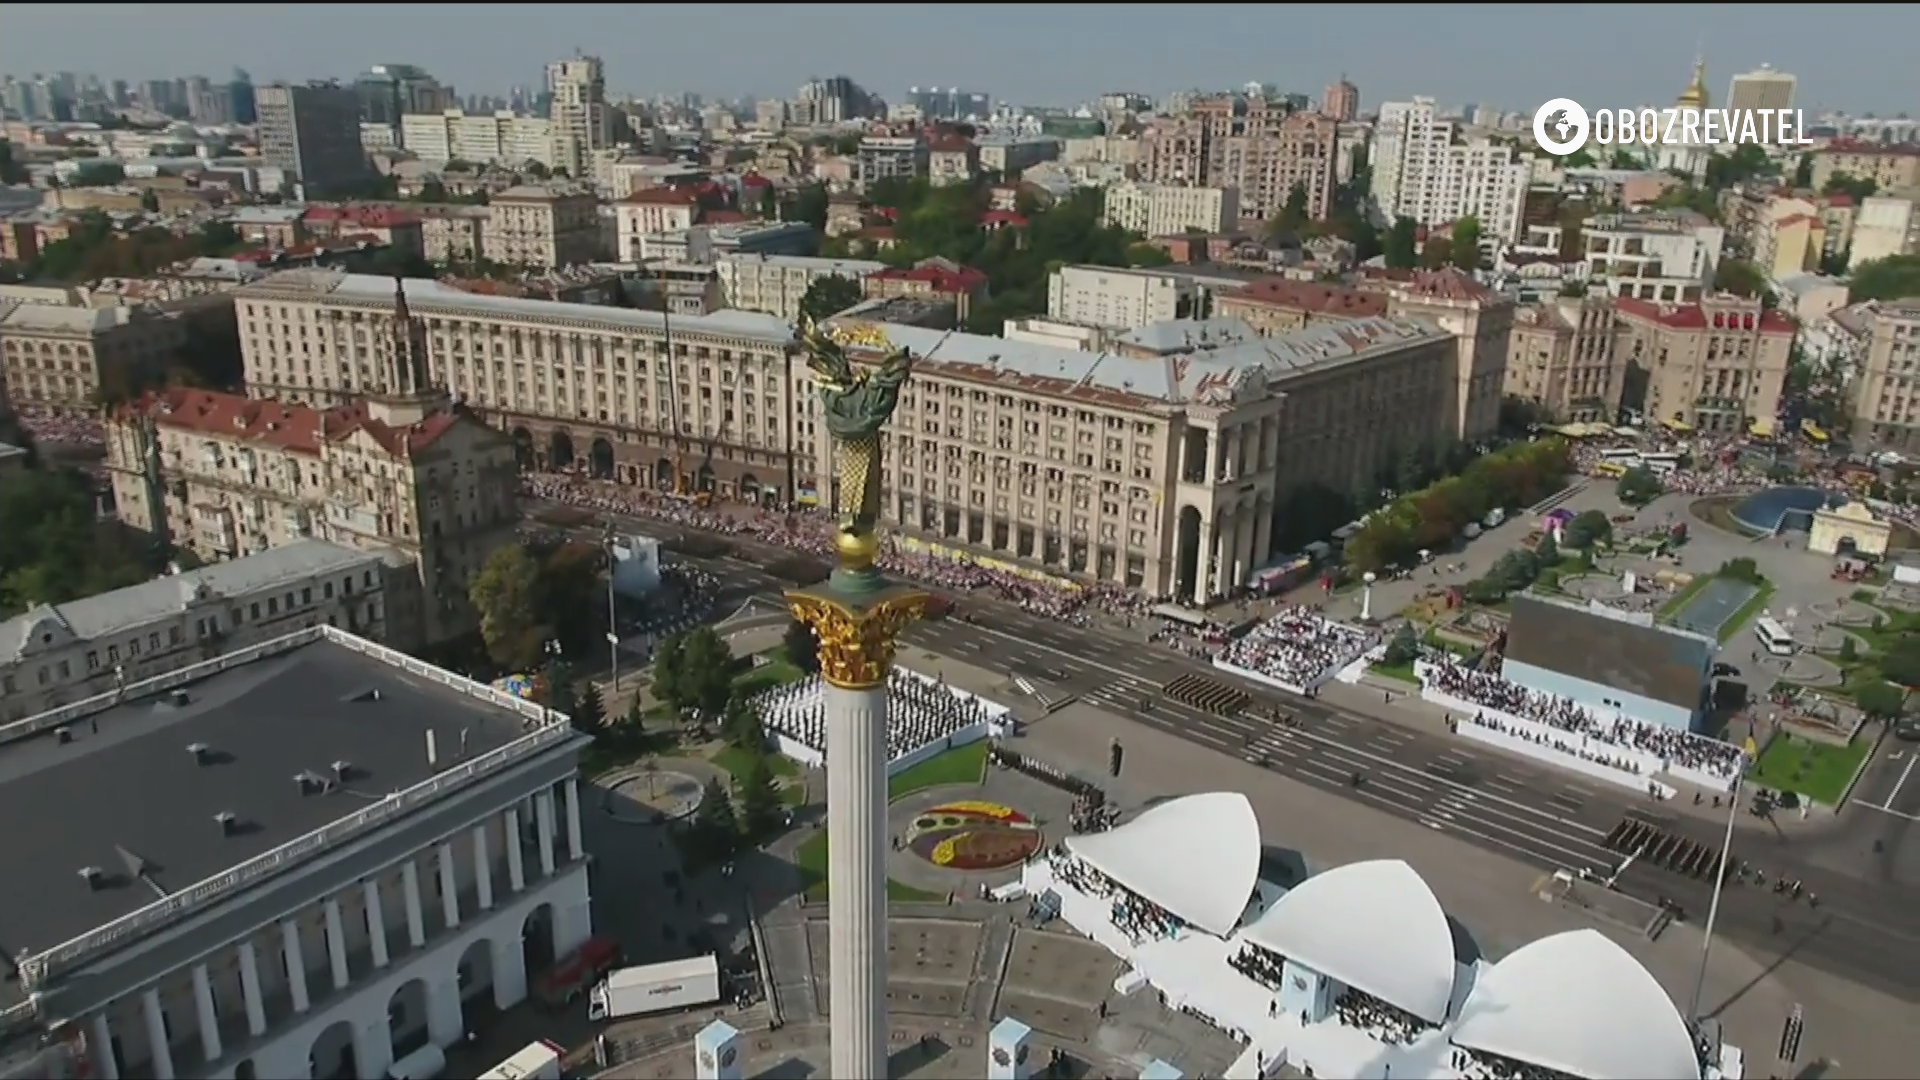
{"x": 1560, "y": 127}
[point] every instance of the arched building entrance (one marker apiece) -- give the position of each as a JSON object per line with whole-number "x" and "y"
{"x": 663, "y": 474}
{"x": 332, "y": 1056}
{"x": 407, "y": 1018}
{"x": 475, "y": 979}
{"x": 1187, "y": 557}
{"x": 523, "y": 452}
{"x": 600, "y": 459}
{"x": 560, "y": 451}
{"x": 536, "y": 941}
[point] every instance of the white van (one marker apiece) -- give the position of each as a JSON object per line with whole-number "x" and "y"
{"x": 1773, "y": 636}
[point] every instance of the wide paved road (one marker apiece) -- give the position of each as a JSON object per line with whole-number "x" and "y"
{"x": 1863, "y": 929}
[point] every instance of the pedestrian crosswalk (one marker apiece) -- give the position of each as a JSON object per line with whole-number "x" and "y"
{"x": 1207, "y": 695}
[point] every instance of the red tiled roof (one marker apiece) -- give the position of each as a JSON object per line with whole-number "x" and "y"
{"x": 1450, "y": 283}
{"x": 1312, "y": 296}
{"x": 1838, "y": 198}
{"x": 950, "y": 144}
{"x": 889, "y": 213}
{"x": 663, "y": 196}
{"x": 366, "y": 217}
{"x": 964, "y": 279}
{"x": 297, "y": 428}
{"x": 755, "y": 180}
{"x": 1696, "y": 317}
{"x": 723, "y": 217}
{"x": 879, "y": 232}
{"x": 1004, "y": 217}
{"x": 1794, "y": 219}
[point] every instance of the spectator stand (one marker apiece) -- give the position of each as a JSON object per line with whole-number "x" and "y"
{"x": 925, "y": 716}
{"x": 1564, "y": 734}
{"x": 1355, "y": 971}
{"x": 1297, "y": 650}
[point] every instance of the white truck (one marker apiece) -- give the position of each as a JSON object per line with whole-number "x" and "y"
{"x": 653, "y": 988}
{"x": 536, "y": 1061}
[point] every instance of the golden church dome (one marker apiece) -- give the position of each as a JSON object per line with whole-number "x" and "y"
{"x": 1695, "y": 95}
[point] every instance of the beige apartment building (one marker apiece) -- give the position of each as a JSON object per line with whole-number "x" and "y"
{"x": 1564, "y": 357}
{"x": 1885, "y": 226}
{"x": 542, "y": 227}
{"x": 1789, "y": 238}
{"x": 1260, "y": 148}
{"x": 1890, "y": 167}
{"x": 1159, "y": 471}
{"x": 775, "y": 284}
{"x": 1276, "y": 306}
{"x": 400, "y": 469}
{"x": 576, "y": 386}
{"x": 59, "y": 357}
{"x": 1886, "y": 389}
{"x": 1716, "y": 367}
{"x": 500, "y": 138}
{"x": 1170, "y": 210}
{"x": 453, "y": 233}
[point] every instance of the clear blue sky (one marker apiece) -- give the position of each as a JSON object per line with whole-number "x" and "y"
{"x": 1855, "y": 57}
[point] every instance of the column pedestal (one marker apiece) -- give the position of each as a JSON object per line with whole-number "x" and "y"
{"x": 857, "y": 880}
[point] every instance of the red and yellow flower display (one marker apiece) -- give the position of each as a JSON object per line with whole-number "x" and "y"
{"x": 972, "y": 835}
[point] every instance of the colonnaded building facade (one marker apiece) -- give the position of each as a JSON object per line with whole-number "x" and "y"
{"x": 1157, "y": 463}
{"x": 310, "y": 856}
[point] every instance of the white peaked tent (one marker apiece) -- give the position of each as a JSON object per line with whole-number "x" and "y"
{"x": 1374, "y": 926}
{"x": 1577, "y": 1003}
{"x": 1198, "y": 856}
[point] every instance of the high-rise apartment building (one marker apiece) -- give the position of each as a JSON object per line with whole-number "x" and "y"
{"x": 501, "y": 138}
{"x": 574, "y": 385}
{"x": 1424, "y": 169}
{"x": 833, "y": 100}
{"x": 1342, "y": 101}
{"x": 1886, "y": 389}
{"x": 1261, "y": 147}
{"x": 1564, "y": 357}
{"x": 581, "y": 123}
{"x": 312, "y": 132}
{"x": 934, "y": 103}
{"x": 1761, "y": 90}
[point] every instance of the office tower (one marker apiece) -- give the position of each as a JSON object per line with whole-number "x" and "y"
{"x": 312, "y": 131}
{"x": 577, "y": 89}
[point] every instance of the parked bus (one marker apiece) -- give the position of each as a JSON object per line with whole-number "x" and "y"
{"x": 1610, "y": 469}
{"x": 1660, "y": 464}
{"x": 1773, "y": 636}
{"x": 538, "y": 1061}
{"x": 1625, "y": 455}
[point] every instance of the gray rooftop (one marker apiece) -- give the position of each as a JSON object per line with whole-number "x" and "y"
{"x": 1659, "y": 663}
{"x": 1216, "y": 374}
{"x": 148, "y": 602}
{"x": 1179, "y": 335}
{"x": 126, "y": 795}
{"x": 433, "y": 298}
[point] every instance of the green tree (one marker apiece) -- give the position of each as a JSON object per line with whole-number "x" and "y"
{"x": 1740, "y": 277}
{"x": 741, "y": 725}
{"x": 716, "y": 829}
{"x": 1404, "y": 647}
{"x": 54, "y": 548}
{"x": 1849, "y": 649}
{"x": 1589, "y": 528}
{"x": 759, "y": 797}
{"x": 1638, "y": 487}
{"x": 150, "y": 201}
{"x": 1857, "y": 188}
{"x": 1401, "y": 244}
{"x": 810, "y": 206}
{"x": 1803, "y": 172}
{"x": 669, "y": 668}
{"x": 1900, "y": 663}
{"x": 1293, "y": 215}
{"x": 1880, "y": 700}
{"x": 829, "y": 296}
{"x": 1896, "y": 277}
{"x": 1147, "y": 254}
{"x": 1466, "y": 243}
{"x": 1547, "y": 551}
{"x": 11, "y": 171}
{"x": 706, "y": 674}
{"x": 589, "y": 714}
{"x": 506, "y": 593}
{"x": 801, "y": 647}
{"x": 1436, "y": 252}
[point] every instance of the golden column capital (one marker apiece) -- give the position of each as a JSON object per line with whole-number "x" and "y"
{"x": 857, "y": 635}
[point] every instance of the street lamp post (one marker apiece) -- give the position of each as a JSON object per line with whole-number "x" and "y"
{"x": 613, "y": 626}
{"x": 1713, "y": 906}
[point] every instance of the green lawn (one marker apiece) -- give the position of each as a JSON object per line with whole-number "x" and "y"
{"x": 1815, "y": 770}
{"x": 961, "y": 765}
{"x": 735, "y": 761}
{"x": 811, "y": 858}
{"x": 777, "y": 671}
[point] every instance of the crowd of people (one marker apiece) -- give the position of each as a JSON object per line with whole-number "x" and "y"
{"x": 1298, "y": 647}
{"x": 1133, "y": 915}
{"x": 1263, "y": 966}
{"x": 1480, "y": 1065}
{"x": 1674, "y": 747}
{"x": 52, "y": 427}
{"x": 1387, "y": 1023}
{"x": 919, "y": 712}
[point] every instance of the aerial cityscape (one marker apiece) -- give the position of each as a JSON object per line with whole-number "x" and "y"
{"x": 529, "y": 549}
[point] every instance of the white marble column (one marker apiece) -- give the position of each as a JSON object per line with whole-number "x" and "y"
{"x": 857, "y": 880}
{"x": 543, "y": 825}
{"x": 410, "y": 889}
{"x": 516, "y": 859}
{"x": 206, "y": 1014}
{"x": 337, "y": 945}
{"x": 160, "y": 1052}
{"x": 250, "y": 990}
{"x": 482, "y": 868}
{"x": 376, "y": 922}
{"x": 449, "y": 888}
{"x": 576, "y": 844}
{"x": 296, "y": 958}
{"x": 100, "y": 1048}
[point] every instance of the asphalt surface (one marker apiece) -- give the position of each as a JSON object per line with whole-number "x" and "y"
{"x": 1863, "y": 928}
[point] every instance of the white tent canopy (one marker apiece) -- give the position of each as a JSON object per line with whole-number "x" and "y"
{"x": 1579, "y": 1004}
{"x": 1374, "y": 926}
{"x": 1197, "y": 856}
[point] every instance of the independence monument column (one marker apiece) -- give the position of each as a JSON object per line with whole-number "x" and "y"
{"x": 856, "y": 614}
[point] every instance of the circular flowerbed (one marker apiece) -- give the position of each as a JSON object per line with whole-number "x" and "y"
{"x": 974, "y": 836}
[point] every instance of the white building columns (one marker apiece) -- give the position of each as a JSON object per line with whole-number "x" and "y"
{"x": 376, "y": 922}
{"x": 516, "y": 860}
{"x": 100, "y": 1035}
{"x": 337, "y": 946}
{"x": 576, "y": 846}
{"x": 161, "y": 1053}
{"x": 206, "y": 1014}
{"x": 857, "y": 879}
{"x": 482, "y": 867}
{"x": 296, "y": 958}
{"x": 410, "y": 888}
{"x": 543, "y": 825}
{"x": 449, "y": 887}
{"x": 250, "y": 990}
